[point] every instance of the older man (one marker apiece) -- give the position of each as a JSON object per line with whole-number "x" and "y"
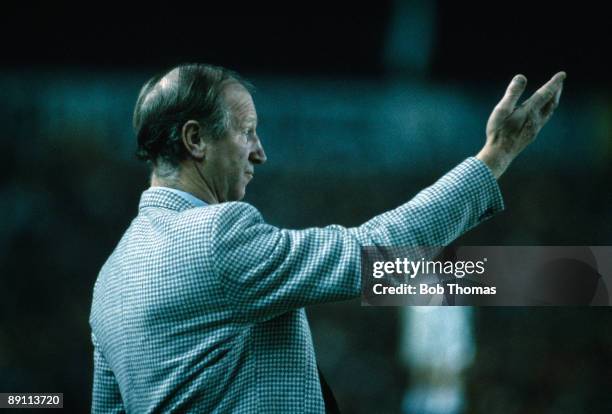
{"x": 200, "y": 308}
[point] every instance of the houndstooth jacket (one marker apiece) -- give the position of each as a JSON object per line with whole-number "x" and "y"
{"x": 201, "y": 309}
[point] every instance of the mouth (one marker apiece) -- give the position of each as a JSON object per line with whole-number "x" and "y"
{"x": 249, "y": 174}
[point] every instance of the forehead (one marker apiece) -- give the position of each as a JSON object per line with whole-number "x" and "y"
{"x": 240, "y": 102}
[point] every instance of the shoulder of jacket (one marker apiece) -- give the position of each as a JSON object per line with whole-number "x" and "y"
{"x": 237, "y": 211}
{"x": 225, "y": 214}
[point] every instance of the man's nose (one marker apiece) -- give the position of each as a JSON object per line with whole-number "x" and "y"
{"x": 258, "y": 155}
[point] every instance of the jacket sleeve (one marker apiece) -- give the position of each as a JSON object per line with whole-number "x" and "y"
{"x": 266, "y": 271}
{"x": 106, "y": 397}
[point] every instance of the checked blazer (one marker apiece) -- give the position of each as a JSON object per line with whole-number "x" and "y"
{"x": 201, "y": 309}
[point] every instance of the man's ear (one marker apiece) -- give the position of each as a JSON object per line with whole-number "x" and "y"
{"x": 193, "y": 139}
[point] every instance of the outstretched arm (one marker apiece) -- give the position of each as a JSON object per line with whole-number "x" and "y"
{"x": 266, "y": 271}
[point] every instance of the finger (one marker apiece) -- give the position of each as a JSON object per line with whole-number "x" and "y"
{"x": 551, "y": 105}
{"x": 512, "y": 95}
{"x": 546, "y": 93}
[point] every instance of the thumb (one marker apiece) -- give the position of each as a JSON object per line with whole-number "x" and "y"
{"x": 513, "y": 93}
{"x": 506, "y": 106}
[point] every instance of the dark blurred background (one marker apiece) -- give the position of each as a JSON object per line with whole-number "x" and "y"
{"x": 359, "y": 109}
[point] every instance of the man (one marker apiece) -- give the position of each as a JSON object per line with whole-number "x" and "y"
{"x": 200, "y": 306}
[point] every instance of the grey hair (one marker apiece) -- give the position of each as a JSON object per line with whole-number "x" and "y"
{"x": 167, "y": 101}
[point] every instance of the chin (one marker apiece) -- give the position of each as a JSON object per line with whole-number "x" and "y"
{"x": 238, "y": 195}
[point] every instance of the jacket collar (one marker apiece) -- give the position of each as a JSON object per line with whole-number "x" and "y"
{"x": 162, "y": 198}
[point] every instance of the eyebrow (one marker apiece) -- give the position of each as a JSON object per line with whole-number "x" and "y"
{"x": 250, "y": 119}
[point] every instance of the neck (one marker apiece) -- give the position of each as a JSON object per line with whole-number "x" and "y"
{"x": 188, "y": 178}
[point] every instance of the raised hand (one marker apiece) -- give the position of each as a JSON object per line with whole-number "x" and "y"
{"x": 511, "y": 128}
